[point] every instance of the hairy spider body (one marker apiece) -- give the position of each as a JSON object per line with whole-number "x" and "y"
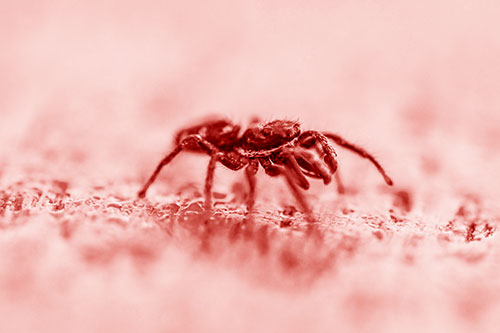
{"x": 279, "y": 146}
{"x": 219, "y": 132}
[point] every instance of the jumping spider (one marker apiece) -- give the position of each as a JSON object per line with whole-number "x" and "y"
{"x": 279, "y": 146}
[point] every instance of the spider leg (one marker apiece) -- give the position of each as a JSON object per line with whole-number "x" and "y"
{"x": 338, "y": 180}
{"x": 340, "y": 184}
{"x": 291, "y": 164}
{"x": 209, "y": 180}
{"x": 205, "y": 145}
{"x": 313, "y": 168}
{"x": 299, "y": 196}
{"x": 360, "y": 151}
{"x": 309, "y": 138}
{"x": 269, "y": 168}
{"x": 311, "y": 165}
{"x": 274, "y": 170}
{"x": 250, "y": 172}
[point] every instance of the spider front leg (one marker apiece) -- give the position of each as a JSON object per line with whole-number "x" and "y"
{"x": 340, "y": 184}
{"x": 314, "y": 169}
{"x": 361, "y": 152}
{"x": 194, "y": 138}
{"x": 274, "y": 170}
{"x": 311, "y": 138}
{"x": 311, "y": 165}
{"x": 287, "y": 158}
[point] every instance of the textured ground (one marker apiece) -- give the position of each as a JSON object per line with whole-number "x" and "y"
{"x": 90, "y": 95}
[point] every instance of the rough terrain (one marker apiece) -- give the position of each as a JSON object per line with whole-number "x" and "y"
{"x": 91, "y": 94}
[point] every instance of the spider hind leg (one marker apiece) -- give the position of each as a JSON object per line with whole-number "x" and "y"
{"x": 186, "y": 142}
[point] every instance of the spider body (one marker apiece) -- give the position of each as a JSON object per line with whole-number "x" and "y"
{"x": 219, "y": 132}
{"x": 280, "y": 147}
{"x": 270, "y": 135}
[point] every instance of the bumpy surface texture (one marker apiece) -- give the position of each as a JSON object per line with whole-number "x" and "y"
{"x": 91, "y": 95}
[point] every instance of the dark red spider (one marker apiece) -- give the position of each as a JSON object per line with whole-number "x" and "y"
{"x": 279, "y": 146}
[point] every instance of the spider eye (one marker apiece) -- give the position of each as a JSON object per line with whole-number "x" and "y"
{"x": 266, "y": 131}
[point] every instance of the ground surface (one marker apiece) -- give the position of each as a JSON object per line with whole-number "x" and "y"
{"x": 91, "y": 94}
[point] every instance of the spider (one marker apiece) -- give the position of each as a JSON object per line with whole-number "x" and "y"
{"x": 279, "y": 146}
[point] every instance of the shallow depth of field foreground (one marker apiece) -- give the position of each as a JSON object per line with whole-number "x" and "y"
{"x": 92, "y": 93}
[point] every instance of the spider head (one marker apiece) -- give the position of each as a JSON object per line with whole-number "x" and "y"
{"x": 271, "y": 135}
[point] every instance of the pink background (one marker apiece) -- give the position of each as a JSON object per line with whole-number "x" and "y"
{"x": 92, "y": 91}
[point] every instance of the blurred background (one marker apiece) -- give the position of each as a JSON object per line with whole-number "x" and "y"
{"x": 106, "y": 83}
{"x": 91, "y": 93}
